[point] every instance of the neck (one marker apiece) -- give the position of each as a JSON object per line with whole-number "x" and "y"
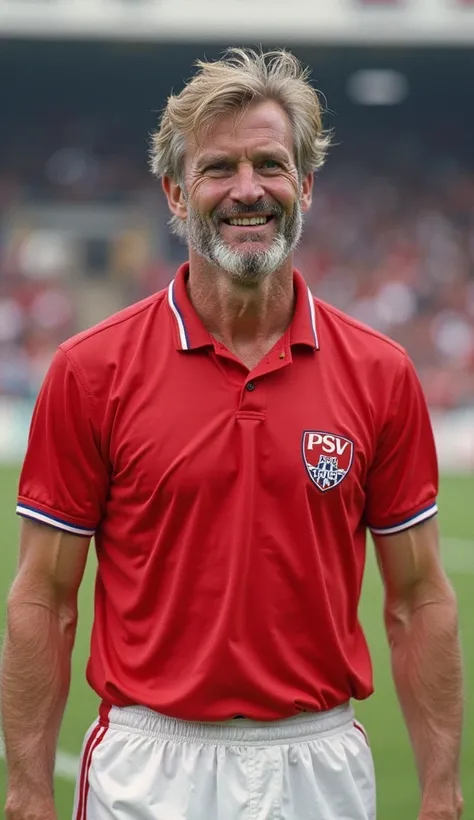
{"x": 238, "y": 314}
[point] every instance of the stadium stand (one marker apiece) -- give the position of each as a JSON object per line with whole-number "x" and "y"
{"x": 83, "y": 227}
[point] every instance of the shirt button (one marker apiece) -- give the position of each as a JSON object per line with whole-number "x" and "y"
{"x": 250, "y": 386}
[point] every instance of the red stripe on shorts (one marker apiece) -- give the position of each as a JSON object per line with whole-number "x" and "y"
{"x": 104, "y": 712}
{"x": 362, "y": 731}
{"x": 96, "y": 736}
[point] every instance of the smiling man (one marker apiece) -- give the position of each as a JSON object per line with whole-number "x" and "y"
{"x": 229, "y": 443}
{"x": 240, "y": 206}
{"x": 243, "y": 196}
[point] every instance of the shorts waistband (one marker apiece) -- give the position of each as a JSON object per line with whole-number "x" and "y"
{"x": 304, "y": 726}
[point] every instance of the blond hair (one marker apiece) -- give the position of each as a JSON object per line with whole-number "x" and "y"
{"x": 240, "y": 78}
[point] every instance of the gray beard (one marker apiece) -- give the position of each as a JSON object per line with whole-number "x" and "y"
{"x": 246, "y": 267}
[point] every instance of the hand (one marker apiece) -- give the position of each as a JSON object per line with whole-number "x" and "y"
{"x": 29, "y": 808}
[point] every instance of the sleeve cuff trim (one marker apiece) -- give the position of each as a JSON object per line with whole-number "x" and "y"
{"x": 428, "y": 512}
{"x": 52, "y": 520}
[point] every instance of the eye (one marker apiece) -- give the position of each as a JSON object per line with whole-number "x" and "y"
{"x": 270, "y": 165}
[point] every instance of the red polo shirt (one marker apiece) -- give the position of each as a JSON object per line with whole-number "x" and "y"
{"x": 229, "y": 507}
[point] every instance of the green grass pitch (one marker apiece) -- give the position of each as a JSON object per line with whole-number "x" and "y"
{"x": 397, "y": 788}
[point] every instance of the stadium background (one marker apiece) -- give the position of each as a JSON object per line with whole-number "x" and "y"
{"x": 390, "y": 238}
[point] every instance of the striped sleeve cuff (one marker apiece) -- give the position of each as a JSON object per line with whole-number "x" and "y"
{"x": 423, "y": 515}
{"x": 46, "y": 518}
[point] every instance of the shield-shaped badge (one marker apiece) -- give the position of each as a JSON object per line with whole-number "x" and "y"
{"x": 327, "y": 458}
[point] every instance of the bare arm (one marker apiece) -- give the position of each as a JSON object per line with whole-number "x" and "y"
{"x": 40, "y": 633}
{"x": 422, "y": 627}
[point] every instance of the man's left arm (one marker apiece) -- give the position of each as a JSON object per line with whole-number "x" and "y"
{"x": 422, "y": 628}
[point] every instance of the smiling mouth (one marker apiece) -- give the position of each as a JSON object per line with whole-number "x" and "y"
{"x": 248, "y": 221}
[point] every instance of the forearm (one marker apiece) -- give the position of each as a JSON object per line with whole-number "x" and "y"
{"x": 35, "y": 684}
{"x": 427, "y": 670}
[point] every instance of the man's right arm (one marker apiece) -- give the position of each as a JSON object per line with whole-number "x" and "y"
{"x": 36, "y": 663}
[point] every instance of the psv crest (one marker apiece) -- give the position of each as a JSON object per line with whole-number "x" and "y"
{"x": 327, "y": 458}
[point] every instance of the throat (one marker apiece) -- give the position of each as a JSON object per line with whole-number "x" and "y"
{"x": 248, "y": 322}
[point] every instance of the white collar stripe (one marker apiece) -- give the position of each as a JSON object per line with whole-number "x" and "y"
{"x": 179, "y": 319}
{"x": 313, "y": 318}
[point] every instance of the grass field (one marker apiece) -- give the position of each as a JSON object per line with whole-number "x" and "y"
{"x": 397, "y": 787}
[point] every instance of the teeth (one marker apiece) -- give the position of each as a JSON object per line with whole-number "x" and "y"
{"x": 254, "y": 220}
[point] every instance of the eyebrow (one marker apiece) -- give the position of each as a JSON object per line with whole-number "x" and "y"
{"x": 262, "y": 153}
{"x": 210, "y": 159}
{"x": 273, "y": 153}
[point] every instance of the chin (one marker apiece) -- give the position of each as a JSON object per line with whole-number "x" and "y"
{"x": 249, "y": 264}
{"x": 249, "y": 268}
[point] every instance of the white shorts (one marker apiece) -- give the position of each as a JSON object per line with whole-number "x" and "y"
{"x": 139, "y": 765}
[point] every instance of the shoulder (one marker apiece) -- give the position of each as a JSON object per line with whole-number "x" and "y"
{"x": 121, "y": 326}
{"x": 360, "y": 341}
{"x": 105, "y": 355}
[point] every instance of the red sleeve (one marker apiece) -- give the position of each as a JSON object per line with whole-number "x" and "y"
{"x": 64, "y": 479}
{"x": 403, "y": 478}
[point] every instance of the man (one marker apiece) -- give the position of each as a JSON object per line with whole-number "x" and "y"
{"x": 228, "y": 442}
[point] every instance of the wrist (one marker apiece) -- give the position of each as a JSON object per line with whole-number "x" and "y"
{"x": 442, "y": 802}
{"x": 21, "y": 806}
{"x": 439, "y": 805}
{"x": 24, "y": 793}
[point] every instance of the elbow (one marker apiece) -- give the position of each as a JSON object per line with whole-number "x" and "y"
{"x": 68, "y": 619}
{"x": 25, "y": 607}
{"x": 397, "y": 620}
{"x": 418, "y": 601}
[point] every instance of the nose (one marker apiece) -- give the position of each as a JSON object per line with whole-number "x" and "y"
{"x": 246, "y": 186}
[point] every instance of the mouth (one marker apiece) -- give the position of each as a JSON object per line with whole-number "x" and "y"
{"x": 249, "y": 221}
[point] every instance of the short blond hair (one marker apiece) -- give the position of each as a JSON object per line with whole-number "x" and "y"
{"x": 240, "y": 78}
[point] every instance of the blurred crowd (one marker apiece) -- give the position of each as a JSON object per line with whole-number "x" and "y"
{"x": 390, "y": 240}
{"x": 396, "y": 251}
{"x": 36, "y": 315}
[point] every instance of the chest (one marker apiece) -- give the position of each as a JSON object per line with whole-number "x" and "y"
{"x": 210, "y": 428}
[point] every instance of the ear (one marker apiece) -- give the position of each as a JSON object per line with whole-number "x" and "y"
{"x": 306, "y": 196}
{"x": 175, "y": 196}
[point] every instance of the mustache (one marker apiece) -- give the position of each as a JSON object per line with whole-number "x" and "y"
{"x": 260, "y": 207}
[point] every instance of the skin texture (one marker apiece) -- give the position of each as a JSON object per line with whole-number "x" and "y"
{"x": 241, "y": 165}
{"x": 237, "y": 164}
{"x": 40, "y": 632}
{"x": 422, "y": 628}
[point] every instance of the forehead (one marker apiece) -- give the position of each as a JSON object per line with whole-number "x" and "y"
{"x": 261, "y": 126}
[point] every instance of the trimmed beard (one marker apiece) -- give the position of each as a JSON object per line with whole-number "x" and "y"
{"x": 245, "y": 266}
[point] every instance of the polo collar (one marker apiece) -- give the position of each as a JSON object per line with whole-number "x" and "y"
{"x": 303, "y": 328}
{"x": 191, "y": 333}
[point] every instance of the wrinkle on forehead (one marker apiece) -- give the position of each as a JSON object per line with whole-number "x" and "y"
{"x": 230, "y": 132}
